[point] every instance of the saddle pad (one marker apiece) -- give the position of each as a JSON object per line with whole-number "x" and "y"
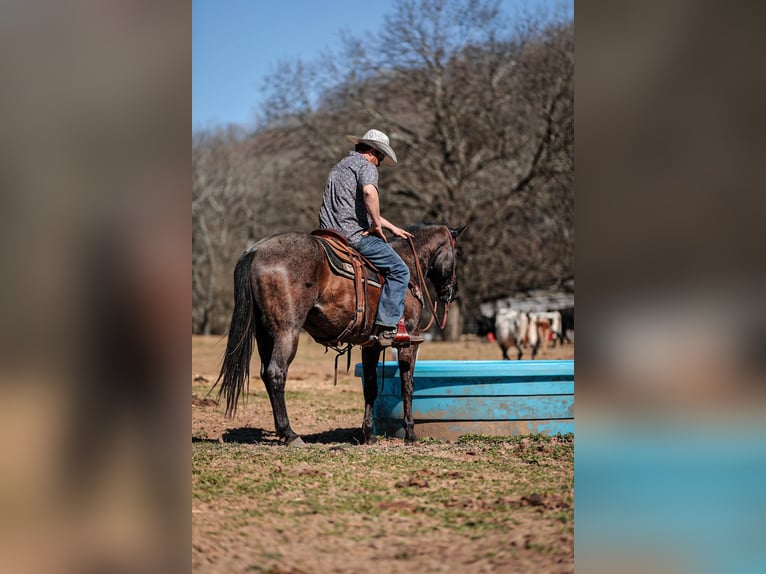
{"x": 344, "y": 268}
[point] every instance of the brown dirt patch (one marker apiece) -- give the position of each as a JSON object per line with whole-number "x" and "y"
{"x": 336, "y": 506}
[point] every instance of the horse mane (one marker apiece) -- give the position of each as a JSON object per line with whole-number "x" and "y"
{"x": 414, "y": 228}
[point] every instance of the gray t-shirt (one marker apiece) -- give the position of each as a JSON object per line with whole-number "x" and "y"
{"x": 343, "y": 202}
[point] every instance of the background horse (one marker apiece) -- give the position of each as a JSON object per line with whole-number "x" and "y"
{"x": 283, "y": 284}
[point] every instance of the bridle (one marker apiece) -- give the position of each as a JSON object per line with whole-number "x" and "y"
{"x": 424, "y": 288}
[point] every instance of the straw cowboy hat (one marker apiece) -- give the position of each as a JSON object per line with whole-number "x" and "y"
{"x": 379, "y": 141}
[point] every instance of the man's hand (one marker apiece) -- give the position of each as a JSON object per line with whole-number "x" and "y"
{"x": 375, "y": 230}
{"x": 399, "y": 232}
{"x": 378, "y": 230}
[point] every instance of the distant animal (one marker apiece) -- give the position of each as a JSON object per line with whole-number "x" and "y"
{"x": 567, "y": 324}
{"x": 284, "y": 284}
{"x": 512, "y": 329}
{"x": 485, "y": 326}
{"x": 548, "y": 325}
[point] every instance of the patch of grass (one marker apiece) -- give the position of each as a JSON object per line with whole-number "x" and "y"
{"x": 558, "y": 438}
{"x": 332, "y": 410}
{"x": 297, "y": 396}
{"x": 533, "y": 449}
{"x": 430, "y": 440}
{"x": 248, "y": 491}
{"x": 542, "y": 548}
{"x": 431, "y": 486}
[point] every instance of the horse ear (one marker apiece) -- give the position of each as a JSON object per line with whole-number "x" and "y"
{"x": 455, "y": 231}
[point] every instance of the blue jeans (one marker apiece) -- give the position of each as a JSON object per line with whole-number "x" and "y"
{"x": 383, "y": 256}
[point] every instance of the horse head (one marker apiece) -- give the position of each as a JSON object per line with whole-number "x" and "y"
{"x": 441, "y": 271}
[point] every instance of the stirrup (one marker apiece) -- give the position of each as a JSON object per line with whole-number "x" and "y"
{"x": 402, "y": 338}
{"x": 395, "y": 337}
{"x": 383, "y": 335}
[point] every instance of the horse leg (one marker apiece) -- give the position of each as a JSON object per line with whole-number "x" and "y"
{"x": 276, "y": 355}
{"x": 407, "y": 358}
{"x": 370, "y": 357}
{"x": 534, "y": 340}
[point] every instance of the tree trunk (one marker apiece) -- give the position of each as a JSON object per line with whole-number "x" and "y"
{"x": 454, "y": 327}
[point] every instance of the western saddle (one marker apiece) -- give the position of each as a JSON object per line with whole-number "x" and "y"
{"x": 347, "y": 262}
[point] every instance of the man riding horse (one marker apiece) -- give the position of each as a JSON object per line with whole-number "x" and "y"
{"x": 285, "y": 284}
{"x": 351, "y": 206}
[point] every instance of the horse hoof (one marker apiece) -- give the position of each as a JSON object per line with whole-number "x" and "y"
{"x": 297, "y": 441}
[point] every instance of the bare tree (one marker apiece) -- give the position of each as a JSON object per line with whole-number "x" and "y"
{"x": 480, "y": 112}
{"x": 222, "y": 215}
{"x": 484, "y": 122}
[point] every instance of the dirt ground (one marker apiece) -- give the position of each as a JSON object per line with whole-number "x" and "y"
{"x": 336, "y": 506}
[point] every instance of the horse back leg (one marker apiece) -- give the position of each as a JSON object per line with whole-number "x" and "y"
{"x": 277, "y": 352}
{"x": 407, "y": 358}
{"x": 370, "y": 357}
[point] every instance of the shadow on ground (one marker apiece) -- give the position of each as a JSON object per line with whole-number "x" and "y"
{"x": 249, "y": 435}
{"x": 349, "y": 435}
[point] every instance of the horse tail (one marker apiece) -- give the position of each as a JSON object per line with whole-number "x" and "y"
{"x": 235, "y": 371}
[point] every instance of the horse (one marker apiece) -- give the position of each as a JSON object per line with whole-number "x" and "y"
{"x": 284, "y": 284}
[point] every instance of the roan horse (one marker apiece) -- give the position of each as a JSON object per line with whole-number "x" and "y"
{"x": 283, "y": 284}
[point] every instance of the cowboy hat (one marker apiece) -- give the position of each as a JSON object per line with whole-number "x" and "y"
{"x": 379, "y": 141}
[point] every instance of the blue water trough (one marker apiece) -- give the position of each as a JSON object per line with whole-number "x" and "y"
{"x": 496, "y": 398}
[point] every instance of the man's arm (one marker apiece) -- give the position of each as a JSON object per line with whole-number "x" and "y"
{"x": 379, "y": 223}
{"x": 372, "y": 203}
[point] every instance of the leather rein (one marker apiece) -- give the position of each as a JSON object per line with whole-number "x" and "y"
{"x": 424, "y": 287}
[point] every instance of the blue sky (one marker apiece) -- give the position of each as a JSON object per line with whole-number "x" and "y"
{"x": 235, "y": 43}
